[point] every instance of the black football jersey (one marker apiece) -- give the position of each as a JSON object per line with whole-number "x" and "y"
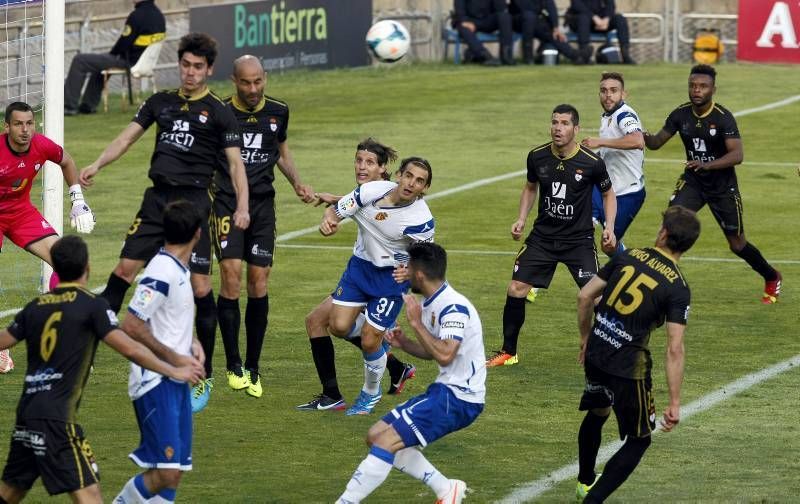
{"x": 190, "y": 137}
{"x": 645, "y": 288}
{"x": 62, "y": 329}
{"x": 704, "y": 137}
{"x": 263, "y": 129}
{"x": 565, "y": 191}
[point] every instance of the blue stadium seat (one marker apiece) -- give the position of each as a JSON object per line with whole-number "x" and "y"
{"x": 450, "y": 36}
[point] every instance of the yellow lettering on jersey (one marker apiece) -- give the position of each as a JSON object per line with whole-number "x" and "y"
{"x": 664, "y": 269}
{"x": 560, "y": 166}
{"x": 50, "y": 298}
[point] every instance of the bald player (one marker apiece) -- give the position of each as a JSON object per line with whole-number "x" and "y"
{"x": 263, "y": 121}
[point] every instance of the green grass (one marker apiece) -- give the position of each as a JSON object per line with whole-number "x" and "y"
{"x": 474, "y": 123}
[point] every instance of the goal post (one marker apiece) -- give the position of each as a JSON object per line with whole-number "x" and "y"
{"x": 53, "y": 180}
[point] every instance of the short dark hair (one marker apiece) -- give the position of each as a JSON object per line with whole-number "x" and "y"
{"x": 70, "y": 257}
{"x": 704, "y": 70}
{"x": 181, "y": 222}
{"x": 565, "y": 108}
{"x": 417, "y": 161}
{"x": 430, "y": 258}
{"x": 16, "y": 106}
{"x": 199, "y": 44}
{"x": 682, "y": 226}
{"x": 384, "y": 153}
{"x": 613, "y": 75}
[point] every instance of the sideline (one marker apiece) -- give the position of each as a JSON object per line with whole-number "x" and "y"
{"x": 534, "y": 489}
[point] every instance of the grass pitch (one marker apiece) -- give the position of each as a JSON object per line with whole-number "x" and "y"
{"x": 472, "y": 124}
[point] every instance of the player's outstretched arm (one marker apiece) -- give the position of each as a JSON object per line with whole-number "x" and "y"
{"x": 114, "y": 151}
{"x": 631, "y": 141}
{"x": 586, "y": 297}
{"x": 138, "y": 330}
{"x": 674, "y": 364}
{"x": 80, "y": 215}
{"x": 654, "y": 142}
{"x": 7, "y": 340}
{"x": 241, "y": 217}
{"x": 286, "y": 165}
{"x": 134, "y": 351}
{"x": 330, "y": 222}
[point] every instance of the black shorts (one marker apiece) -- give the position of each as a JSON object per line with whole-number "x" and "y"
{"x": 724, "y": 202}
{"x": 256, "y": 244}
{"x": 57, "y": 451}
{"x": 146, "y": 234}
{"x": 537, "y": 260}
{"x": 632, "y": 400}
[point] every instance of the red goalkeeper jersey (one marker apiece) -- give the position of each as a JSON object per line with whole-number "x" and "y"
{"x": 18, "y": 169}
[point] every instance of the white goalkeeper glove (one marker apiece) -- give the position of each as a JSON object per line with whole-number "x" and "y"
{"x": 81, "y": 216}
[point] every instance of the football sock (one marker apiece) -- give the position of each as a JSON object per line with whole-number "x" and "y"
{"x": 374, "y": 367}
{"x": 134, "y": 491}
{"x": 205, "y": 322}
{"x": 53, "y": 281}
{"x": 513, "y": 318}
{"x": 256, "y": 318}
{"x": 412, "y": 462}
{"x": 115, "y": 290}
{"x": 322, "y": 352}
{"x": 589, "y": 439}
{"x": 394, "y": 365}
{"x": 618, "y": 468}
{"x": 165, "y": 496}
{"x": 229, "y": 321}
{"x": 372, "y": 471}
{"x": 753, "y": 257}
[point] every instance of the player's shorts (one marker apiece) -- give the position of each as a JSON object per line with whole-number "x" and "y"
{"x": 427, "y": 417}
{"x": 56, "y": 451}
{"x": 256, "y": 244}
{"x": 537, "y": 260}
{"x": 725, "y": 202}
{"x": 146, "y": 234}
{"x": 632, "y": 400}
{"x": 24, "y": 225}
{"x": 628, "y": 205}
{"x": 364, "y": 284}
{"x": 164, "y": 415}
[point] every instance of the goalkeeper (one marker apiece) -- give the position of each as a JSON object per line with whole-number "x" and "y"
{"x": 23, "y": 153}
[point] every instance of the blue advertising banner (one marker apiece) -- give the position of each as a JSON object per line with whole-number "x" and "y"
{"x": 287, "y": 34}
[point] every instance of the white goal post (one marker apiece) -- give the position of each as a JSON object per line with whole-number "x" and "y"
{"x": 53, "y": 180}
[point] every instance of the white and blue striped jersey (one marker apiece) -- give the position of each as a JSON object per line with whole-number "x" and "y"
{"x": 449, "y": 315}
{"x": 625, "y": 167}
{"x": 384, "y": 233}
{"x": 165, "y": 301}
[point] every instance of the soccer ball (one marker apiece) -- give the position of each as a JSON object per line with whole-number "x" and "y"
{"x": 388, "y": 40}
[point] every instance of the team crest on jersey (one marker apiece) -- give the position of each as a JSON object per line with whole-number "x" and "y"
{"x": 381, "y": 216}
{"x": 223, "y": 243}
{"x": 203, "y": 118}
{"x": 712, "y": 130}
{"x": 273, "y": 124}
{"x": 45, "y": 224}
{"x": 433, "y": 320}
{"x": 169, "y": 452}
{"x": 578, "y": 177}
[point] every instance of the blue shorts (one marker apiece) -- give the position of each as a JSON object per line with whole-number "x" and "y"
{"x": 628, "y": 206}
{"x": 164, "y": 415}
{"x": 427, "y": 417}
{"x": 364, "y": 284}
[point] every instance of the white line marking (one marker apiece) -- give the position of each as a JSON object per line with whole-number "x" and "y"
{"x": 532, "y": 490}
{"x": 768, "y": 106}
{"x": 512, "y": 253}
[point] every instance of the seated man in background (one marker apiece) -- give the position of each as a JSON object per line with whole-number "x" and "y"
{"x": 144, "y": 26}
{"x": 586, "y": 16}
{"x": 472, "y": 16}
{"x": 539, "y": 19}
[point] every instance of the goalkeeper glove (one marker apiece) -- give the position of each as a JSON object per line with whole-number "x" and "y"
{"x": 81, "y": 216}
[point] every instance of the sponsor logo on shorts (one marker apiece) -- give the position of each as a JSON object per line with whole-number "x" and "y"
{"x": 31, "y": 439}
{"x": 259, "y": 252}
{"x": 169, "y": 452}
